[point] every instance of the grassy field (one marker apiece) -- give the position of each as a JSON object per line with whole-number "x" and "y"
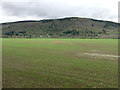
{"x": 60, "y": 63}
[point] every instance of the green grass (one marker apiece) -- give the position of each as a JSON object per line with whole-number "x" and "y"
{"x": 59, "y": 63}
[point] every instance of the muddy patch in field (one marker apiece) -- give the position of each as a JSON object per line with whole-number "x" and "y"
{"x": 88, "y": 45}
{"x": 58, "y": 42}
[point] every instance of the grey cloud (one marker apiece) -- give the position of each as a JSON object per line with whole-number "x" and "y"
{"x": 52, "y": 10}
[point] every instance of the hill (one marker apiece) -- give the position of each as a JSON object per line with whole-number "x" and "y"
{"x": 72, "y": 27}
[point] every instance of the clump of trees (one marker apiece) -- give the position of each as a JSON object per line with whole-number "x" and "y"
{"x": 84, "y": 33}
{"x": 75, "y": 33}
{"x": 13, "y": 34}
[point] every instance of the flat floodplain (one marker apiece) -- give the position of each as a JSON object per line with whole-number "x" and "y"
{"x": 60, "y": 63}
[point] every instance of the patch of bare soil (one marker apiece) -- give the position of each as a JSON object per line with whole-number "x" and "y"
{"x": 57, "y": 42}
{"x": 95, "y": 56}
{"x": 101, "y": 55}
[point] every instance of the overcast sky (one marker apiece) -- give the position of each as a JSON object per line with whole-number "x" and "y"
{"x": 18, "y": 10}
